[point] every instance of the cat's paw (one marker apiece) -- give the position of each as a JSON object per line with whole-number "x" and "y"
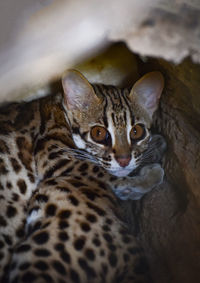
{"x": 153, "y": 174}
{"x": 150, "y": 176}
{"x": 129, "y": 193}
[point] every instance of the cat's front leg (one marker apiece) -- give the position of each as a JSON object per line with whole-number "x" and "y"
{"x": 135, "y": 187}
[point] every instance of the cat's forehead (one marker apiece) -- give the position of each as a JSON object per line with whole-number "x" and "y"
{"x": 116, "y": 103}
{"x": 116, "y": 99}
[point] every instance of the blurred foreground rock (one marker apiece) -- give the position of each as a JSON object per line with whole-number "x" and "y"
{"x": 39, "y": 39}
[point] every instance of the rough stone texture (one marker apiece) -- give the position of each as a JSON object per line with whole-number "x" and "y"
{"x": 39, "y": 39}
{"x": 169, "y": 216}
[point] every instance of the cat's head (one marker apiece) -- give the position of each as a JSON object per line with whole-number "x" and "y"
{"x": 112, "y": 124}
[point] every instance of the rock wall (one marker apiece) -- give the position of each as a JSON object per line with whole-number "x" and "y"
{"x": 169, "y": 217}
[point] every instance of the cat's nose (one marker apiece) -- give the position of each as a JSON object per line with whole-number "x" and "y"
{"x": 123, "y": 160}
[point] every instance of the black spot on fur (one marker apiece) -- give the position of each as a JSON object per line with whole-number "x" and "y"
{"x": 31, "y": 177}
{"x": 61, "y": 163}
{"x": 107, "y": 237}
{"x": 42, "y": 252}
{"x": 90, "y": 272}
{"x": 97, "y": 209}
{"x": 3, "y": 169}
{"x": 77, "y": 184}
{"x": 83, "y": 167}
{"x": 73, "y": 200}
{"x": 91, "y": 218}
{"x": 85, "y": 226}
{"x": 100, "y": 175}
{"x": 59, "y": 247}
{"x": 54, "y": 155}
{"x": 35, "y": 227}
{"x": 90, "y": 254}
{"x": 63, "y": 224}
{"x": 47, "y": 277}
{"x": 106, "y": 228}
{"x": 8, "y": 240}
{"x": 22, "y": 186}
{"x": 79, "y": 243}
{"x": 1, "y": 244}
{"x": 96, "y": 242}
{"x": 23, "y": 248}
{"x": 112, "y": 259}
{"x": 28, "y": 277}
{"x": 3, "y": 222}
{"x": 3, "y": 147}
{"x": 41, "y": 198}
{"x": 9, "y": 185}
{"x": 15, "y": 165}
{"x": 24, "y": 266}
{"x": 51, "y": 210}
{"x": 63, "y": 236}
{"x": 90, "y": 194}
{"x": 64, "y": 214}
{"x": 74, "y": 276}
{"x": 67, "y": 171}
{"x": 112, "y": 247}
{"x": 41, "y": 238}
{"x": 11, "y": 211}
{"x": 65, "y": 256}
{"x": 51, "y": 182}
{"x": 59, "y": 267}
{"x": 95, "y": 169}
{"x": 15, "y": 197}
{"x": 41, "y": 265}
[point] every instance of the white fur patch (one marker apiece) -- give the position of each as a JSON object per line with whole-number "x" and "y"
{"x": 111, "y": 129}
{"x": 128, "y": 127}
{"x": 116, "y": 170}
{"x": 34, "y": 216}
{"x": 79, "y": 142}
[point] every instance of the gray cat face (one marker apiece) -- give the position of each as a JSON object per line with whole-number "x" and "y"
{"x": 110, "y": 124}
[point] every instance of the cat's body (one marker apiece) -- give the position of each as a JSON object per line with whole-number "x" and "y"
{"x": 58, "y": 167}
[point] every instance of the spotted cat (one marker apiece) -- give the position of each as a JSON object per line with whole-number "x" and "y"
{"x": 64, "y": 165}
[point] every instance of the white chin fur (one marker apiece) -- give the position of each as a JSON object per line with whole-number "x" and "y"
{"x": 120, "y": 172}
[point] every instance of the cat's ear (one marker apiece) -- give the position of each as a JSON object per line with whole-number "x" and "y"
{"x": 146, "y": 92}
{"x": 78, "y": 93}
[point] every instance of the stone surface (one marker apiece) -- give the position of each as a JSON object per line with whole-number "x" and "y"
{"x": 169, "y": 216}
{"x": 39, "y": 39}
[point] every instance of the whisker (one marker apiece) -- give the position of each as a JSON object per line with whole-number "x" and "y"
{"x": 79, "y": 154}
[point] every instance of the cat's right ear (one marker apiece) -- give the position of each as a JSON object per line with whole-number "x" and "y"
{"x": 146, "y": 92}
{"x": 78, "y": 93}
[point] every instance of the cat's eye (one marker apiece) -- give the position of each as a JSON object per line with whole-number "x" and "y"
{"x": 137, "y": 132}
{"x": 100, "y": 134}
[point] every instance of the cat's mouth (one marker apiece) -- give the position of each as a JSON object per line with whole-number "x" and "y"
{"x": 121, "y": 172}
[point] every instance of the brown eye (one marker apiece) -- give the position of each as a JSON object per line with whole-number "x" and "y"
{"x": 137, "y": 132}
{"x": 100, "y": 135}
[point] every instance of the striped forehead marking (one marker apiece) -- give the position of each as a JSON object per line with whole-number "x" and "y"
{"x": 117, "y": 109}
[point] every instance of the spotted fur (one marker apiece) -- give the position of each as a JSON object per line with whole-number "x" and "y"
{"x": 59, "y": 218}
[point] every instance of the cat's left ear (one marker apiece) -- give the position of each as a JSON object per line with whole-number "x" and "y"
{"x": 146, "y": 92}
{"x": 78, "y": 92}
